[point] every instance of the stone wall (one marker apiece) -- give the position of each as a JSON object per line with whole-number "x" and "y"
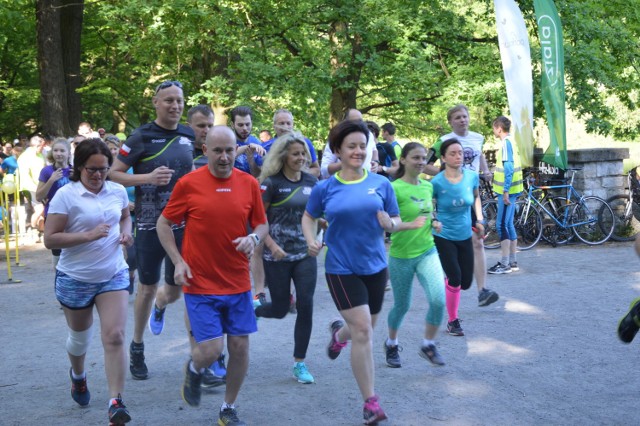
{"x": 602, "y": 170}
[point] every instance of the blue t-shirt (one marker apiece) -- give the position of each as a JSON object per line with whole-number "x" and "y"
{"x": 354, "y": 238}
{"x": 454, "y": 203}
{"x": 267, "y": 146}
{"x": 242, "y": 162}
{"x": 10, "y": 165}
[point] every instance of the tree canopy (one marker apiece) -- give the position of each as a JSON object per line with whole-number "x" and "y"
{"x": 405, "y": 62}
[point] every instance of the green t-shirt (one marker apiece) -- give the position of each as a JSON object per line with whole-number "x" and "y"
{"x": 413, "y": 201}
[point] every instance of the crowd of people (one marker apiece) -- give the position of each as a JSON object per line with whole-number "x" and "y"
{"x": 110, "y": 207}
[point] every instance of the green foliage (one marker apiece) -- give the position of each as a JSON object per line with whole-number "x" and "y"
{"x": 405, "y": 61}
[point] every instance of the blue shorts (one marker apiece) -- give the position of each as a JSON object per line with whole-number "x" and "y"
{"x": 75, "y": 294}
{"x": 150, "y": 255}
{"x": 213, "y": 316}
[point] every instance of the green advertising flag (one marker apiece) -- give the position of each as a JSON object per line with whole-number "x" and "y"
{"x": 553, "y": 96}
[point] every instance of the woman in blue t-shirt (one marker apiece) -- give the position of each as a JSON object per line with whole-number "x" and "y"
{"x": 285, "y": 191}
{"x": 359, "y": 207}
{"x": 455, "y": 190}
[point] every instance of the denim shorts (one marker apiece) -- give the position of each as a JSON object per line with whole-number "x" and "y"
{"x": 75, "y": 294}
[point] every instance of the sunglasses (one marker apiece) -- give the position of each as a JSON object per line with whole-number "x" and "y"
{"x": 168, "y": 83}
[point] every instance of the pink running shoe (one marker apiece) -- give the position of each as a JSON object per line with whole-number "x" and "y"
{"x": 334, "y": 348}
{"x": 372, "y": 412}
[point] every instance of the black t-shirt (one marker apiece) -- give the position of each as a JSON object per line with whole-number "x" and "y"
{"x": 149, "y": 147}
{"x": 386, "y": 156}
{"x": 287, "y": 202}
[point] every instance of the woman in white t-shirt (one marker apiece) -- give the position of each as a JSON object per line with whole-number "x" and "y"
{"x": 89, "y": 220}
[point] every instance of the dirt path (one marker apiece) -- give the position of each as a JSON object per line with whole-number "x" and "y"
{"x": 545, "y": 353}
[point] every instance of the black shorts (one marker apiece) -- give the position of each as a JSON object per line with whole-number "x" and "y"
{"x": 349, "y": 291}
{"x": 150, "y": 254}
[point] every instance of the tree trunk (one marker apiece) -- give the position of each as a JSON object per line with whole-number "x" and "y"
{"x": 71, "y": 33}
{"x": 345, "y": 75}
{"x": 53, "y": 96}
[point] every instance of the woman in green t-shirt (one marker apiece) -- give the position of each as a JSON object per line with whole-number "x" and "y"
{"x": 413, "y": 253}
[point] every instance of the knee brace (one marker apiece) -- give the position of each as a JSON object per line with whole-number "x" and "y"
{"x": 78, "y": 341}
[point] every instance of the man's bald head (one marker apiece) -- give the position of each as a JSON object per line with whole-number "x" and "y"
{"x": 221, "y": 151}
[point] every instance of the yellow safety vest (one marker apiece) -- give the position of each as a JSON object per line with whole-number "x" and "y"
{"x": 498, "y": 174}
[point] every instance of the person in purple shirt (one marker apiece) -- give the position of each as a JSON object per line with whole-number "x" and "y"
{"x": 53, "y": 177}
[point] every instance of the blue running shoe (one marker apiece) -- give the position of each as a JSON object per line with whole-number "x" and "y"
{"x": 156, "y": 320}
{"x": 79, "y": 390}
{"x": 301, "y": 373}
{"x": 219, "y": 368}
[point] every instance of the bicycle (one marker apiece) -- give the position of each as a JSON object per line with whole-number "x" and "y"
{"x": 589, "y": 217}
{"x": 626, "y": 209}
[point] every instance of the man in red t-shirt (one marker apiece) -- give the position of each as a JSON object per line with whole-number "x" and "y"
{"x": 216, "y": 202}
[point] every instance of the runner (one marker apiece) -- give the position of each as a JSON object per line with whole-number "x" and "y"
{"x": 89, "y": 219}
{"x": 286, "y": 189}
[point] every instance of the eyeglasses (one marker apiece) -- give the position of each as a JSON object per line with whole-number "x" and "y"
{"x": 168, "y": 83}
{"x": 94, "y": 170}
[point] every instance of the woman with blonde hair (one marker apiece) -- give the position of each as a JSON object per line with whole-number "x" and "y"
{"x": 53, "y": 177}
{"x": 285, "y": 191}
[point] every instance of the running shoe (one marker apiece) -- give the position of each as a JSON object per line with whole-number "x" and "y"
{"x": 630, "y": 323}
{"x": 260, "y": 297}
{"x": 393, "y": 357}
{"x": 210, "y": 380}
{"x": 156, "y": 320}
{"x": 487, "y": 297}
{"x": 301, "y": 373}
{"x": 118, "y": 414}
{"x": 137, "y": 365}
{"x": 499, "y": 268}
{"x": 372, "y": 412}
{"x": 229, "y": 417}
{"x": 292, "y": 305}
{"x": 191, "y": 386}
{"x": 514, "y": 266}
{"x": 454, "y": 329}
{"x": 79, "y": 390}
{"x": 218, "y": 367}
{"x": 334, "y": 348}
{"x": 430, "y": 353}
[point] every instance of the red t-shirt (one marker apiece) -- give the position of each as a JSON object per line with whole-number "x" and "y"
{"x": 216, "y": 212}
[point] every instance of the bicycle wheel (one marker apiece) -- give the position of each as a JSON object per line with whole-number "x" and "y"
{"x": 627, "y": 224}
{"x": 490, "y": 213}
{"x": 528, "y": 222}
{"x": 593, "y": 220}
{"x": 553, "y": 233}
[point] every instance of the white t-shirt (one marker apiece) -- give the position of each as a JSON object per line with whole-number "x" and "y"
{"x": 329, "y": 157}
{"x": 471, "y": 147}
{"x": 99, "y": 260}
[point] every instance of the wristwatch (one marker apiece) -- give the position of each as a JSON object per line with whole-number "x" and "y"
{"x": 255, "y": 238}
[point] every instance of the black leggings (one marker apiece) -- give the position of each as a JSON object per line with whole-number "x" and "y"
{"x": 279, "y": 275}
{"x": 456, "y": 258}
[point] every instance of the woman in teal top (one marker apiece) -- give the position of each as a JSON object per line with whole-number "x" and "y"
{"x": 413, "y": 253}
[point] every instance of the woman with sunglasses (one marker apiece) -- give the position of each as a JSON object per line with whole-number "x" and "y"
{"x": 89, "y": 219}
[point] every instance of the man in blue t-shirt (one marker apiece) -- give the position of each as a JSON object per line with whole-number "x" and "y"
{"x": 283, "y": 123}
{"x": 249, "y": 149}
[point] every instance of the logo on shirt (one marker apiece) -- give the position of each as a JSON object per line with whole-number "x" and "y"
{"x": 184, "y": 141}
{"x": 306, "y": 190}
{"x": 458, "y": 203}
{"x": 223, "y": 190}
{"x": 158, "y": 140}
{"x": 371, "y": 191}
{"x": 284, "y": 190}
{"x": 125, "y": 150}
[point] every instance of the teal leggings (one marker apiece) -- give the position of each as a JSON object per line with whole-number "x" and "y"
{"x": 429, "y": 271}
